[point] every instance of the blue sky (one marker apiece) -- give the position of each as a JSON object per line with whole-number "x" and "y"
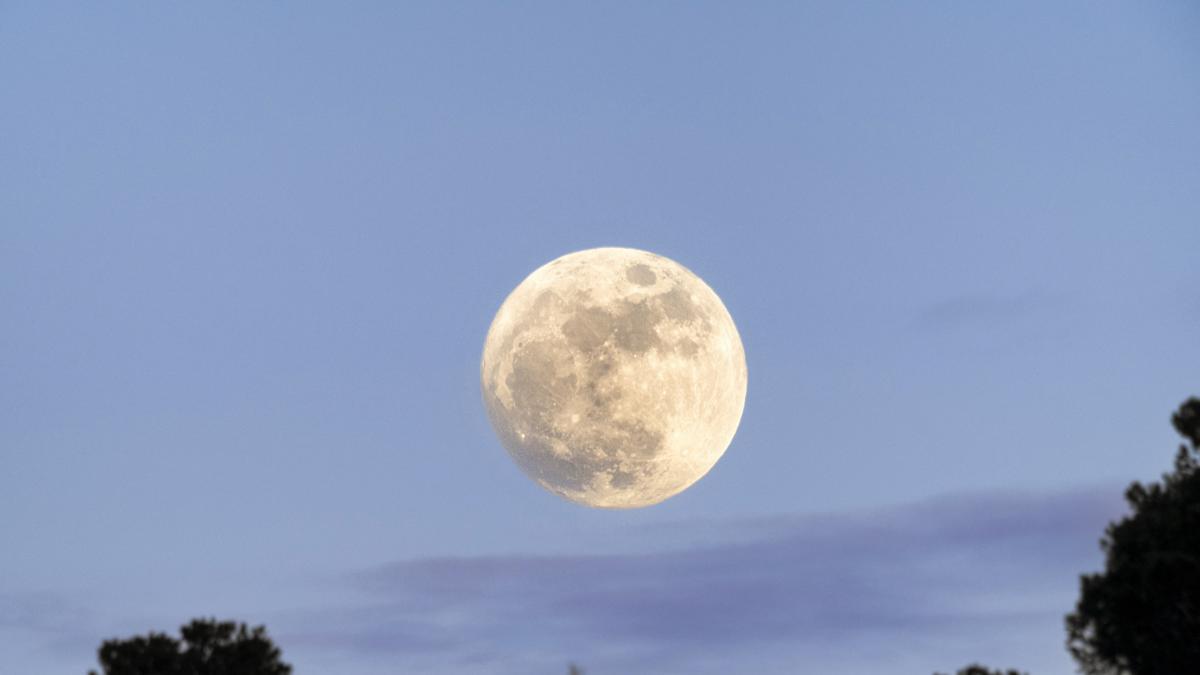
{"x": 248, "y": 255}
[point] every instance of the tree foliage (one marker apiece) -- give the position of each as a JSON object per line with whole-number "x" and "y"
{"x": 1141, "y": 615}
{"x": 207, "y": 647}
{"x": 977, "y": 669}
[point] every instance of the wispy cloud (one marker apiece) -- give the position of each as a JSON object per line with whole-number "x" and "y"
{"x": 979, "y": 308}
{"x": 48, "y": 624}
{"x": 911, "y": 585}
{"x": 38, "y": 611}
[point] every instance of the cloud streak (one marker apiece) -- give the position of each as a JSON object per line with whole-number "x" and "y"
{"x": 986, "y": 308}
{"x": 950, "y": 574}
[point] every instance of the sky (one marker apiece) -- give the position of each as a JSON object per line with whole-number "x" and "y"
{"x": 249, "y": 254}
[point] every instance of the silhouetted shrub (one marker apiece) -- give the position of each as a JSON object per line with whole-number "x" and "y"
{"x": 980, "y": 670}
{"x": 207, "y": 648}
{"x": 1141, "y": 615}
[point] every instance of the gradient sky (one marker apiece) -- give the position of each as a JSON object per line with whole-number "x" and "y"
{"x": 249, "y": 253}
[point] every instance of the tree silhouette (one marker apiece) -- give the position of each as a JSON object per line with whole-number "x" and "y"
{"x": 208, "y": 647}
{"x": 1141, "y": 615}
{"x": 977, "y": 669}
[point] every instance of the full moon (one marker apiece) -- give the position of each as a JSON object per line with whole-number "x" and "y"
{"x": 614, "y": 377}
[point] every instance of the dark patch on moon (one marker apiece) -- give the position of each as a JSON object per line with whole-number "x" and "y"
{"x": 634, "y": 328}
{"x": 598, "y": 400}
{"x": 545, "y": 304}
{"x": 631, "y": 328}
{"x": 641, "y": 275}
{"x": 678, "y": 305}
{"x": 536, "y": 391}
{"x": 639, "y": 441}
{"x": 598, "y": 388}
{"x": 588, "y": 327}
{"x": 623, "y": 479}
{"x": 632, "y": 325}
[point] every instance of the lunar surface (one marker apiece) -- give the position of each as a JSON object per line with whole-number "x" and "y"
{"x": 614, "y": 377}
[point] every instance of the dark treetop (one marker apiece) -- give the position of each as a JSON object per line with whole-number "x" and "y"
{"x": 1141, "y": 615}
{"x": 207, "y": 648}
{"x": 980, "y": 670}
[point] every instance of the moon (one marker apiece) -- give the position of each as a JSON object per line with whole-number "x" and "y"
{"x": 614, "y": 377}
